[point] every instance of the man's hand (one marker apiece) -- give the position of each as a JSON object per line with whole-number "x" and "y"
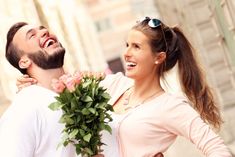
{"x": 24, "y": 81}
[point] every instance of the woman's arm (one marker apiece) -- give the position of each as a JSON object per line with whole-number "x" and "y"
{"x": 183, "y": 120}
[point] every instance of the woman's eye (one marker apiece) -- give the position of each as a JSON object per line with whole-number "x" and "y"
{"x": 136, "y": 46}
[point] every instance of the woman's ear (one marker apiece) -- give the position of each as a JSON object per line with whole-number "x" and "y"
{"x": 24, "y": 62}
{"x": 160, "y": 57}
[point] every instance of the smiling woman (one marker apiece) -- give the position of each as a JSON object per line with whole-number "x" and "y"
{"x": 140, "y": 103}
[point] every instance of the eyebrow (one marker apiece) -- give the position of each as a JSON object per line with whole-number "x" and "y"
{"x": 33, "y": 29}
{"x": 29, "y": 31}
{"x": 42, "y": 27}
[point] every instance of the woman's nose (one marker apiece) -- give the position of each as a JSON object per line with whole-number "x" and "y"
{"x": 127, "y": 52}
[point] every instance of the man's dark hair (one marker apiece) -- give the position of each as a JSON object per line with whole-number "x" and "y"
{"x": 13, "y": 54}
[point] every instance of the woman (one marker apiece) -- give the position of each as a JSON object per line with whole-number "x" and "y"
{"x": 147, "y": 119}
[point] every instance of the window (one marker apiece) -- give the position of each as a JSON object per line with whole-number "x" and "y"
{"x": 103, "y": 25}
{"x": 116, "y": 65}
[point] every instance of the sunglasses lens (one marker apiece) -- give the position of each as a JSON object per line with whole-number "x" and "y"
{"x": 154, "y": 23}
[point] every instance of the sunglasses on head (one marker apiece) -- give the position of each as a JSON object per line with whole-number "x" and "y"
{"x": 155, "y": 23}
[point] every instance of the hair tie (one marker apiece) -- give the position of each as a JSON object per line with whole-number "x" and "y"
{"x": 173, "y": 46}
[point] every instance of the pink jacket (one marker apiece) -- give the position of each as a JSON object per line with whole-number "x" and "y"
{"x": 153, "y": 126}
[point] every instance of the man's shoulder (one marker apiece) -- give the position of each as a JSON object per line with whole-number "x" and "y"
{"x": 35, "y": 90}
{"x": 34, "y": 95}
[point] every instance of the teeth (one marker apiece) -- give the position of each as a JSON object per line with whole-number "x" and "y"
{"x": 131, "y": 64}
{"x": 49, "y": 42}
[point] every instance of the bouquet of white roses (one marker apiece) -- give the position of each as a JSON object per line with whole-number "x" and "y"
{"x": 85, "y": 111}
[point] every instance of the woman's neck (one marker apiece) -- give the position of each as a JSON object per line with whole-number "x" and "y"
{"x": 145, "y": 89}
{"x": 146, "y": 85}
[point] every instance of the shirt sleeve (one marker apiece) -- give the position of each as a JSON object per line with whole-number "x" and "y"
{"x": 183, "y": 120}
{"x": 18, "y": 131}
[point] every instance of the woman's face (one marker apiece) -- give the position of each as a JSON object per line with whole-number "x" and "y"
{"x": 139, "y": 58}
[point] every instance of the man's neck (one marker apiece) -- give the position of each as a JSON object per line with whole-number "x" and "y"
{"x": 44, "y": 77}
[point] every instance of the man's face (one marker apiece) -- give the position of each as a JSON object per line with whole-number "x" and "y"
{"x": 40, "y": 46}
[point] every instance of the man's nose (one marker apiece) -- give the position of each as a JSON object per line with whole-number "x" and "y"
{"x": 43, "y": 33}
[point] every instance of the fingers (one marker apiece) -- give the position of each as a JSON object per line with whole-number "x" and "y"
{"x": 24, "y": 81}
{"x": 159, "y": 155}
{"x": 98, "y": 155}
{"x": 21, "y": 86}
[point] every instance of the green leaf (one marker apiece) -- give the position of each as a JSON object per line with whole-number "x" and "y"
{"x": 93, "y": 91}
{"x": 110, "y": 107}
{"x": 85, "y": 111}
{"x": 108, "y": 128}
{"x": 77, "y": 92}
{"x": 106, "y": 96}
{"x": 82, "y": 132}
{"x": 89, "y": 104}
{"x": 101, "y": 105}
{"x": 78, "y": 118}
{"x": 89, "y": 151}
{"x": 87, "y": 83}
{"x": 87, "y": 137}
{"x": 68, "y": 94}
{"x": 92, "y": 110}
{"x": 87, "y": 99}
{"x": 78, "y": 149}
{"x": 73, "y": 103}
{"x": 84, "y": 127}
{"x": 55, "y": 106}
{"x": 66, "y": 143}
{"x": 66, "y": 119}
{"x": 73, "y": 133}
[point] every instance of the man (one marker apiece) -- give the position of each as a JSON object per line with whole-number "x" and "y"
{"x": 29, "y": 128}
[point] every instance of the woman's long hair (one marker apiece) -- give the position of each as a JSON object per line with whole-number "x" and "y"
{"x": 192, "y": 80}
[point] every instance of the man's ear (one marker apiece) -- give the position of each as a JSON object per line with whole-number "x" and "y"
{"x": 160, "y": 57}
{"x": 24, "y": 62}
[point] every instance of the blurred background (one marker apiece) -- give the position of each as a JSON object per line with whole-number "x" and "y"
{"x": 94, "y": 33}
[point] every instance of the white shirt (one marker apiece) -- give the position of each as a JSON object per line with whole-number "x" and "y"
{"x": 30, "y": 129}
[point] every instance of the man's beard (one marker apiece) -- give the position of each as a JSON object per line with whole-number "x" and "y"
{"x": 46, "y": 61}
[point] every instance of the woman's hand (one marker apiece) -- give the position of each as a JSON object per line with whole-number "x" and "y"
{"x": 159, "y": 155}
{"x": 24, "y": 81}
{"x": 99, "y": 155}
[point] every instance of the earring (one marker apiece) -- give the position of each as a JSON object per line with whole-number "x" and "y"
{"x": 156, "y": 62}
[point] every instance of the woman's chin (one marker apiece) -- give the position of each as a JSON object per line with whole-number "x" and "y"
{"x": 128, "y": 74}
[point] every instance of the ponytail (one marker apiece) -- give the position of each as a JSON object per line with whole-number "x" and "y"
{"x": 193, "y": 82}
